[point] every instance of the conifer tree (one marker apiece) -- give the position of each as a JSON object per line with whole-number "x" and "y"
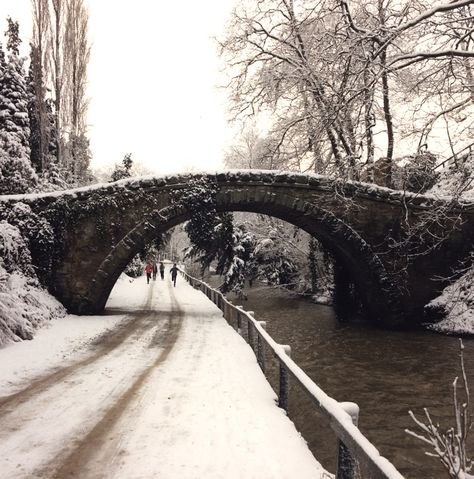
{"x": 41, "y": 124}
{"x": 124, "y": 169}
{"x": 16, "y": 172}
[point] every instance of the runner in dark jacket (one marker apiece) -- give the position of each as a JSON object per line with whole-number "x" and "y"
{"x": 174, "y": 272}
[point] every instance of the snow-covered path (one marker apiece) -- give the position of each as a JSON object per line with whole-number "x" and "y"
{"x": 164, "y": 390}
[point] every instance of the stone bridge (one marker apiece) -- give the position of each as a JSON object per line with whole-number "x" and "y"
{"x": 395, "y": 248}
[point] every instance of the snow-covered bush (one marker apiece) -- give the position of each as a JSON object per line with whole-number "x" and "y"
{"x": 455, "y": 305}
{"x": 417, "y": 174}
{"x": 134, "y": 269}
{"x": 456, "y": 180}
{"x": 14, "y": 253}
{"x": 24, "y": 304}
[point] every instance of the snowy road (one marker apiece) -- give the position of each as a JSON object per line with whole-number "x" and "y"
{"x": 165, "y": 390}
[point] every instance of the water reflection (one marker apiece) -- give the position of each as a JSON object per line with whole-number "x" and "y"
{"x": 386, "y": 372}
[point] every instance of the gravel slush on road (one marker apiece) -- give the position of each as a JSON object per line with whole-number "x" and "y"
{"x": 157, "y": 387}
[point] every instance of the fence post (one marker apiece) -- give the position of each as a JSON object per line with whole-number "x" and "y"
{"x": 250, "y": 331}
{"x": 284, "y": 382}
{"x": 239, "y": 320}
{"x": 346, "y": 463}
{"x": 261, "y": 348}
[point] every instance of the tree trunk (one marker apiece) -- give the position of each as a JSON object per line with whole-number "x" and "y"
{"x": 369, "y": 124}
{"x": 388, "y": 117}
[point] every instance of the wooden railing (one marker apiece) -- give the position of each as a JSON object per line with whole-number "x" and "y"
{"x": 457, "y": 157}
{"x": 356, "y": 455}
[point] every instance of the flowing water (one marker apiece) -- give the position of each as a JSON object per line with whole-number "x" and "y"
{"x": 387, "y": 373}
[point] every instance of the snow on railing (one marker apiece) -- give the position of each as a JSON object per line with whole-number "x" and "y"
{"x": 354, "y": 449}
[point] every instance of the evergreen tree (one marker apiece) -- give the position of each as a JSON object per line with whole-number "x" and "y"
{"x": 39, "y": 112}
{"x": 123, "y": 170}
{"x": 242, "y": 263}
{"x": 79, "y": 154}
{"x": 16, "y": 172}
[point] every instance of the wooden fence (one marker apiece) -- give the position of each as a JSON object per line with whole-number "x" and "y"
{"x": 357, "y": 457}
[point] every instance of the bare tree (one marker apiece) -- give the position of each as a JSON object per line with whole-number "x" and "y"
{"x": 38, "y": 77}
{"x": 76, "y": 60}
{"x": 281, "y": 61}
{"x": 334, "y": 73}
{"x": 450, "y": 447}
{"x": 57, "y": 32}
{"x": 411, "y": 35}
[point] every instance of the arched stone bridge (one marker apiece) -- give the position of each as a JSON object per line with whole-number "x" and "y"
{"x": 394, "y": 247}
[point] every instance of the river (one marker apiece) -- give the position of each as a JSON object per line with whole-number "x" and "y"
{"x": 387, "y": 373}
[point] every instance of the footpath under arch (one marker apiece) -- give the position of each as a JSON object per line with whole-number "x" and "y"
{"x": 367, "y": 229}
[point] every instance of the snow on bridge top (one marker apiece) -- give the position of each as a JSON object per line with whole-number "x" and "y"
{"x": 271, "y": 177}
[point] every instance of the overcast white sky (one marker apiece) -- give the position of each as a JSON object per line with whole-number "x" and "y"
{"x": 153, "y": 80}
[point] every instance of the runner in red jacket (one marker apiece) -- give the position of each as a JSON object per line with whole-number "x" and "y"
{"x": 148, "y": 271}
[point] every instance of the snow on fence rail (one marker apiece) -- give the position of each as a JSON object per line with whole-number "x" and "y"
{"x": 459, "y": 156}
{"x": 354, "y": 449}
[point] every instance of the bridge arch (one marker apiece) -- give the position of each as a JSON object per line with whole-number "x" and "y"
{"x": 378, "y": 295}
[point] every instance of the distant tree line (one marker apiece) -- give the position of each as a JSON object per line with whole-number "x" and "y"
{"x": 43, "y": 101}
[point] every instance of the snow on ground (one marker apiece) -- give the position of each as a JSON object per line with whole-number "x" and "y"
{"x": 63, "y": 338}
{"x": 180, "y": 396}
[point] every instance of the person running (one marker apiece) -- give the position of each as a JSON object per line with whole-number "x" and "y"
{"x": 155, "y": 270}
{"x": 148, "y": 271}
{"x": 162, "y": 270}
{"x": 174, "y": 272}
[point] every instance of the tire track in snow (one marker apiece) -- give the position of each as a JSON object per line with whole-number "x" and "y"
{"x": 76, "y": 464}
{"x": 105, "y": 344}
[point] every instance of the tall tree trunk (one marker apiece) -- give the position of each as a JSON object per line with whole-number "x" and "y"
{"x": 388, "y": 117}
{"x": 39, "y": 72}
{"x": 56, "y": 59}
{"x": 369, "y": 124}
{"x": 77, "y": 51}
